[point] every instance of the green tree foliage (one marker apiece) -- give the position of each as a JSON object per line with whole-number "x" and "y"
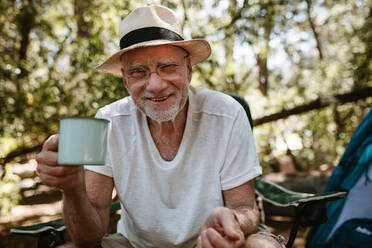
{"x": 282, "y": 54}
{"x": 278, "y": 54}
{"x": 8, "y": 192}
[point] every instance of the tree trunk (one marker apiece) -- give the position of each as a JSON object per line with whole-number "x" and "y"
{"x": 83, "y": 26}
{"x": 313, "y": 28}
{"x": 263, "y": 76}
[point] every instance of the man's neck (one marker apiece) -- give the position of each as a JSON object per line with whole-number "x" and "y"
{"x": 168, "y": 135}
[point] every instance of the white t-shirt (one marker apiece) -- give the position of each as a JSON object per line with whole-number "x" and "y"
{"x": 164, "y": 203}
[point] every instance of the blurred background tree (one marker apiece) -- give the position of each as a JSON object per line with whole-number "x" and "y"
{"x": 303, "y": 66}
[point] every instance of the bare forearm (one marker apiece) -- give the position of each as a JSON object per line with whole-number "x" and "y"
{"x": 248, "y": 219}
{"x": 82, "y": 220}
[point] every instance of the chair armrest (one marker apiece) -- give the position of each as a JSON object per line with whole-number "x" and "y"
{"x": 282, "y": 197}
{"x": 56, "y": 225}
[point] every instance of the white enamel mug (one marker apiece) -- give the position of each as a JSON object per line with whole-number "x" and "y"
{"x": 82, "y": 141}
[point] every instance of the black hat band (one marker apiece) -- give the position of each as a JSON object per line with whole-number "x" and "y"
{"x": 146, "y": 34}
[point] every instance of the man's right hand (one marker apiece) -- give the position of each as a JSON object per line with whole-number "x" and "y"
{"x": 66, "y": 178}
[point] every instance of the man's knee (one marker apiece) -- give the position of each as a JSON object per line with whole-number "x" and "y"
{"x": 259, "y": 240}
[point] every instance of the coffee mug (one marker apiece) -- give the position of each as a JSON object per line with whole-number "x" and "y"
{"x": 82, "y": 141}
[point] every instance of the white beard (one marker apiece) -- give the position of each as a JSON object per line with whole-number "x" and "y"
{"x": 170, "y": 114}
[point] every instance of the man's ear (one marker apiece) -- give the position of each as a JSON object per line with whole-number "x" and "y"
{"x": 189, "y": 69}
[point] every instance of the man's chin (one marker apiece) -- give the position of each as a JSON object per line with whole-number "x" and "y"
{"x": 162, "y": 118}
{"x": 162, "y": 115}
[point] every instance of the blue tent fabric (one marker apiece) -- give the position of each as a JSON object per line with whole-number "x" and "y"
{"x": 352, "y": 165}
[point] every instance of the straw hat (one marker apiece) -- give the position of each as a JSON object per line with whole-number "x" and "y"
{"x": 151, "y": 26}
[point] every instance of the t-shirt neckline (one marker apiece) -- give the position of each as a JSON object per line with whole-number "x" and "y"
{"x": 156, "y": 154}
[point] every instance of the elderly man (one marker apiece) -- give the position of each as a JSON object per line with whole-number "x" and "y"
{"x": 182, "y": 159}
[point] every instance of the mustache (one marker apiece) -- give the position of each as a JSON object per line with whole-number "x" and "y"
{"x": 159, "y": 95}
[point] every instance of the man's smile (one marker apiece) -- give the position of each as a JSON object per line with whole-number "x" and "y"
{"x": 159, "y": 99}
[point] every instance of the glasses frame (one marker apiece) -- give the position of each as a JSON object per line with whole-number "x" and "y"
{"x": 148, "y": 72}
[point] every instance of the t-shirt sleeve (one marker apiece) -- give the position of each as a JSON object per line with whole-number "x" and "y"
{"x": 241, "y": 163}
{"x": 105, "y": 169}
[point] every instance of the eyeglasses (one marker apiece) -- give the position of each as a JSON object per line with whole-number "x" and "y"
{"x": 166, "y": 71}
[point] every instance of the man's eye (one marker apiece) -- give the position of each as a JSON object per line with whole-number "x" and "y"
{"x": 138, "y": 72}
{"x": 168, "y": 68}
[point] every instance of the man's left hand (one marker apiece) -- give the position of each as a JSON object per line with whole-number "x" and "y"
{"x": 220, "y": 229}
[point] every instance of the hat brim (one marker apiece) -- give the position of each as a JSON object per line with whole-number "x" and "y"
{"x": 199, "y": 50}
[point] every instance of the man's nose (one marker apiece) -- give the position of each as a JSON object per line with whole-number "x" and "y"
{"x": 155, "y": 82}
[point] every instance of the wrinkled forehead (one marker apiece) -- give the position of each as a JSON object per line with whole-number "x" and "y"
{"x": 153, "y": 53}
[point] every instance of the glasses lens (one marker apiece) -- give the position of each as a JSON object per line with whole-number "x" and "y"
{"x": 138, "y": 73}
{"x": 167, "y": 70}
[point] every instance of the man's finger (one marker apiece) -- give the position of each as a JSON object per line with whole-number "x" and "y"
{"x": 220, "y": 230}
{"x": 198, "y": 242}
{"x": 205, "y": 243}
{"x": 49, "y": 180}
{"x": 60, "y": 182}
{"x": 51, "y": 144}
{"x": 217, "y": 240}
{"x": 60, "y": 170}
{"x": 231, "y": 227}
{"x": 46, "y": 157}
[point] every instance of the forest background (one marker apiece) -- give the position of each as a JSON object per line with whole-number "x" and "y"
{"x": 302, "y": 65}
